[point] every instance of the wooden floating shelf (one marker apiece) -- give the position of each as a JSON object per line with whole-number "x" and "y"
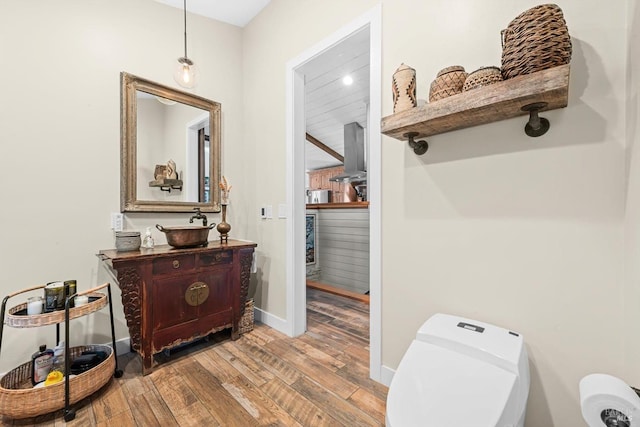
{"x": 167, "y": 184}
{"x": 487, "y": 104}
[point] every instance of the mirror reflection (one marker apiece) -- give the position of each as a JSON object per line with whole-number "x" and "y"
{"x": 170, "y": 149}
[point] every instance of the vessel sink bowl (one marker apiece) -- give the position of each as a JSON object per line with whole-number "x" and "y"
{"x": 186, "y": 236}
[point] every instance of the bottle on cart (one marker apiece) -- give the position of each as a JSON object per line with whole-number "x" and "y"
{"x": 58, "y": 357}
{"x": 41, "y": 364}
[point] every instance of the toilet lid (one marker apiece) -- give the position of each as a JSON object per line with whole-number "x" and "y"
{"x": 437, "y": 387}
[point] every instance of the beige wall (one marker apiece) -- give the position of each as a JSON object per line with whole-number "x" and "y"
{"x": 59, "y": 127}
{"x": 489, "y": 224}
{"x": 632, "y": 214}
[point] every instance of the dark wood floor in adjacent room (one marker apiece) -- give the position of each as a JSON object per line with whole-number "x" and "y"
{"x": 263, "y": 379}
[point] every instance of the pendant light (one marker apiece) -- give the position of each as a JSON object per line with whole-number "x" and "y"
{"x": 186, "y": 73}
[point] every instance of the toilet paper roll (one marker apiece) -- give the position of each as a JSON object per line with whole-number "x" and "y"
{"x": 608, "y": 401}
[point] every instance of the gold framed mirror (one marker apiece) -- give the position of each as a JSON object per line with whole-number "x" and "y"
{"x": 169, "y": 149}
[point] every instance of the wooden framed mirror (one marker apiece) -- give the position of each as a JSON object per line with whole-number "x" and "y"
{"x": 164, "y": 130}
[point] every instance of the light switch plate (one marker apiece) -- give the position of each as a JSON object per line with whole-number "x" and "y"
{"x": 117, "y": 220}
{"x": 282, "y": 210}
{"x": 269, "y": 212}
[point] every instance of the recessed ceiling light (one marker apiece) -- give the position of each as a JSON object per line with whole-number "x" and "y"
{"x": 347, "y": 80}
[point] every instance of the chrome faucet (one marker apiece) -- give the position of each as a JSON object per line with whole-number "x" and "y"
{"x": 199, "y": 215}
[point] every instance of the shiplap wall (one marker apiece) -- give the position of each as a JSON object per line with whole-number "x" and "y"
{"x": 342, "y": 248}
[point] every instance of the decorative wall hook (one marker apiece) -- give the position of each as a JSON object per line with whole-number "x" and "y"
{"x": 536, "y": 125}
{"x": 419, "y": 147}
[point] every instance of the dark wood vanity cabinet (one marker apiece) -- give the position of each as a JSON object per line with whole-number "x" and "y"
{"x": 172, "y": 296}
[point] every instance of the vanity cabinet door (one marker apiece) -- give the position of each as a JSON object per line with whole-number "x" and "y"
{"x": 189, "y": 306}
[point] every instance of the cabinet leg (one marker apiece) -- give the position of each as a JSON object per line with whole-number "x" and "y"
{"x": 147, "y": 364}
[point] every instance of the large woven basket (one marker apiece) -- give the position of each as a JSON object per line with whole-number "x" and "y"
{"x": 246, "y": 321}
{"x": 19, "y": 399}
{"x": 449, "y": 81}
{"x": 483, "y": 76}
{"x": 535, "y": 40}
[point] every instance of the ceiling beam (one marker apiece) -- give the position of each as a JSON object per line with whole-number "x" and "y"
{"x": 324, "y": 148}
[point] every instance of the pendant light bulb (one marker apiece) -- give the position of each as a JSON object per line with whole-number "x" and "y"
{"x": 186, "y": 73}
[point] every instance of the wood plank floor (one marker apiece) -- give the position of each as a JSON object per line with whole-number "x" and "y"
{"x": 263, "y": 379}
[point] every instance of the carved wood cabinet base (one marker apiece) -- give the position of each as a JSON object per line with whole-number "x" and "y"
{"x": 173, "y": 296}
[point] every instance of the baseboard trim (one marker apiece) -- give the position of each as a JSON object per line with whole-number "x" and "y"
{"x": 277, "y": 323}
{"x": 386, "y": 375}
{"x": 337, "y": 291}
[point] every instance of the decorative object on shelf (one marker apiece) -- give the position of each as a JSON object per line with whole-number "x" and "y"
{"x": 224, "y": 227}
{"x": 535, "y": 40}
{"x": 483, "y": 76}
{"x": 404, "y": 88}
{"x": 160, "y": 172}
{"x": 449, "y": 81}
{"x": 127, "y": 240}
{"x": 170, "y": 172}
{"x": 166, "y": 177}
{"x": 186, "y": 74}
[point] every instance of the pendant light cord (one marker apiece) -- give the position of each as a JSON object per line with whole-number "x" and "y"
{"x": 185, "y": 29}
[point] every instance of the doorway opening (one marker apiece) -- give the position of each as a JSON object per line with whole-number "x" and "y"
{"x": 297, "y": 71}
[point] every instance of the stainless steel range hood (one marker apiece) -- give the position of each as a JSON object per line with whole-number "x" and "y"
{"x": 354, "y": 158}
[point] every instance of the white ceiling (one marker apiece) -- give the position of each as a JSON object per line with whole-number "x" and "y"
{"x": 329, "y": 104}
{"x": 236, "y": 12}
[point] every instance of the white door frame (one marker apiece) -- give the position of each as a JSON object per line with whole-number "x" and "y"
{"x": 296, "y": 323}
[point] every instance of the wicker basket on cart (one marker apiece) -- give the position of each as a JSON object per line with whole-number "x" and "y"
{"x": 449, "y": 81}
{"x": 535, "y": 40}
{"x": 19, "y": 399}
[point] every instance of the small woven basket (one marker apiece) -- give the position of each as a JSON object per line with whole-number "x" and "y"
{"x": 403, "y": 87}
{"x": 19, "y": 399}
{"x": 482, "y": 77}
{"x": 535, "y": 40}
{"x": 449, "y": 81}
{"x": 246, "y": 321}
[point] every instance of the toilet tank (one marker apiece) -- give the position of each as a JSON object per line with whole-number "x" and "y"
{"x": 492, "y": 344}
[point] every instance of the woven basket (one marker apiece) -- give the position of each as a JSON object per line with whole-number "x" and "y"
{"x": 17, "y": 316}
{"x": 482, "y": 77}
{"x": 19, "y": 399}
{"x": 449, "y": 81}
{"x": 535, "y": 40}
{"x": 246, "y": 321}
{"x": 404, "y": 88}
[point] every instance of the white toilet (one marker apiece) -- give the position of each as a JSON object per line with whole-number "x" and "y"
{"x": 463, "y": 373}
